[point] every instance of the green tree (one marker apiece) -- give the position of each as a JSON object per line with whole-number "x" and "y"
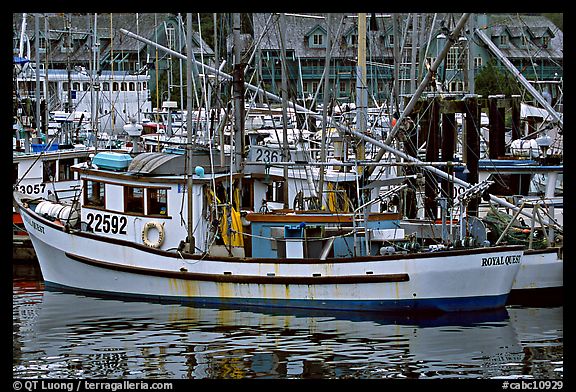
{"x": 491, "y": 80}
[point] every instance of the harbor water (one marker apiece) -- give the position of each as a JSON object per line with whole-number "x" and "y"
{"x": 59, "y": 335}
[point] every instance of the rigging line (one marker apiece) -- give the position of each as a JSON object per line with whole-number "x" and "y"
{"x": 205, "y": 79}
{"x": 207, "y": 130}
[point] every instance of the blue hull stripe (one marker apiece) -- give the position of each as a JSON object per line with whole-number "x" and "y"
{"x": 408, "y": 305}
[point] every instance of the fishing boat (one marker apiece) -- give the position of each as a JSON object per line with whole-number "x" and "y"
{"x": 541, "y": 276}
{"x": 127, "y": 238}
{"x": 166, "y": 225}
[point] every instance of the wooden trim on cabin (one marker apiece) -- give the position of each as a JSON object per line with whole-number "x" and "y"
{"x": 231, "y": 278}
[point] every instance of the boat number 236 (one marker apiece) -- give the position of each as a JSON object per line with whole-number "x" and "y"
{"x": 107, "y": 223}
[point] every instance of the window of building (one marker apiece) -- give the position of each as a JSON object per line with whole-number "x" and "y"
{"x": 171, "y": 37}
{"x": 115, "y": 86}
{"x": 478, "y": 62}
{"x": 305, "y": 87}
{"x": 94, "y": 194}
{"x": 134, "y": 199}
{"x": 503, "y": 40}
{"x": 353, "y": 40}
{"x": 545, "y": 41}
{"x": 452, "y": 58}
{"x": 49, "y": 171}
{"x": 123, "y": 86}
{"x": 157, "y": 201}
{"x": 85, "y": 86}
{"x": 456, "y": 86}
{"x": 105, "y": 86}
{"x": 342, "y": 86}
{"x": 131, "y": 86}
{"x": 76, "y": 86}
{"x": 391, "y": 40}
{"x": 317, "y": 39}
{"x": 64, "y": 169}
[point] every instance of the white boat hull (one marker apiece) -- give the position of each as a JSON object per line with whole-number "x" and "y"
{"x": 540, "y": 277}
{"x": 441, "y": 281}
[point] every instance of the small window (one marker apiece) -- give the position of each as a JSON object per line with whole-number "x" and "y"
{"x": 134, "y": 199}
{"x": 64, "y": 169}
{"x": 49, "y": 171}
{"x": 503, "y": 40}
{"x": 317, "y": 39}
{"x": 157, "y": 201}
{"x": 342, "y": 86}
{"x": 477, "y": 62}
{"x": 123, "y": 86}
{"x": 76, "y": 86}
{"x": 115, "y": 86}
{"x": 545, "y": 41}
{"x": 353, "y": 40}
{"x": 105, "y": 86}
{"x": 94, "y": 194}
{"x": 85, "y": 86}
{"x": 132, "y": 87}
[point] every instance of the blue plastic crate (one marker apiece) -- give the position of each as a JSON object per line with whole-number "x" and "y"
{"x": 42, "y": 147}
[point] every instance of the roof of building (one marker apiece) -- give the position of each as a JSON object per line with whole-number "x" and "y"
{"x": 300, "y": 27}
{"x": 53, "y": 27}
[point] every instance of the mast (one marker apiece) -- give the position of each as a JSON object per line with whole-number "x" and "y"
{"x": 37, "y": 70}
{"x": 238, "y": 95}
{"x": 94, "y": 100}
{"x": 189, "y": 57}
{"x": 284, "y": 92}
{"x": 361, "y": 88}
{"x": 68, "y": 108}
{"x": 326, "y": 101}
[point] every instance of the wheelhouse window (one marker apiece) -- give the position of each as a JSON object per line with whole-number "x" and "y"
{"x": 134, "y": 199}
{"x": 94, "y": 193}
{"x": 157, "y": 201}
{"x": 64, "y": 169}
{"x": 49, "y": 171}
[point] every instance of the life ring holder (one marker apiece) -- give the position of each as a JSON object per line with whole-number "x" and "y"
{"x": 161, "y": 235}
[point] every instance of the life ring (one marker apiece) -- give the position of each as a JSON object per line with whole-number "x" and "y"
{"x": 159, "y": 227}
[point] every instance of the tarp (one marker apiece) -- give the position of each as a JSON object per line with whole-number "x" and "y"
{"x": 533, "y": 111}
{"x": 20, "y": 60}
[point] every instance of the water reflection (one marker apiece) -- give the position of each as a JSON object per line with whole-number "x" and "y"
{"x": 60, "y": 334}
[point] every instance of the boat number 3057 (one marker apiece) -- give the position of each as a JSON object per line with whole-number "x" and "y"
{"x": 107, "y": 223}
{"x": 30, "y": 189}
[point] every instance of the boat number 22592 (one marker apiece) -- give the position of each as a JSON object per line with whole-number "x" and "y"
{"x": 105, "y": 223}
